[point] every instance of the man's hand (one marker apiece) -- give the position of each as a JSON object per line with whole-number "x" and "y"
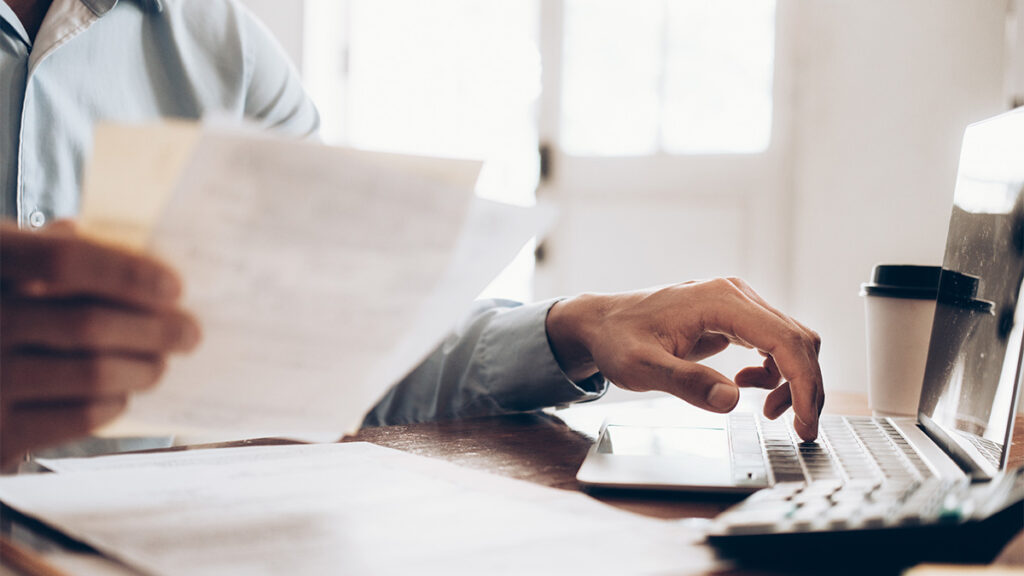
{"x": 652, "y": 340}
{"x": 82, "y": 327}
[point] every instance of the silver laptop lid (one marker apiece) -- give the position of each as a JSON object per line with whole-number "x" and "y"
{"x": 974, "y": 360}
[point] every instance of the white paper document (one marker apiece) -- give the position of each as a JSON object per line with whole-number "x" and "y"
{"x": 320, "y": 275}
{"x": 341, "y": 509}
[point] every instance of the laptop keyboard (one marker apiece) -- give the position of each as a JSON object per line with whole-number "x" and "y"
{"x": 851, "y": 449}
{"x": 991, "y": 451}
{"x": 862, "y": 473}
{"x": 821, "y": 506}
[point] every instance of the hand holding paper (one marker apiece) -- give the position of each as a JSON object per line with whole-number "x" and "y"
{"x": 321, "y": 275}
{"x": 84, "y": 326}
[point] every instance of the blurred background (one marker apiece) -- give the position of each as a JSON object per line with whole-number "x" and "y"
{"x": 795, "y": 143}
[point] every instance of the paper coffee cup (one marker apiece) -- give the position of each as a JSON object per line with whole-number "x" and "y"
{"x": 900, "y": 307}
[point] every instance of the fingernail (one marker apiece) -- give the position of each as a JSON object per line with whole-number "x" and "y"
{"x": 723, "y": 396}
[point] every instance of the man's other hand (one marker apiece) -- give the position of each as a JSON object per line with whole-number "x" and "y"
{"x": 82, "y": 326}
{"x": 653, "y": 340}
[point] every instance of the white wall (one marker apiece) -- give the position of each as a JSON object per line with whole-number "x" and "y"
{"x": 1015, "y": 46}
{"x": 285, "y": 20}
{"x": 884, "y": 89}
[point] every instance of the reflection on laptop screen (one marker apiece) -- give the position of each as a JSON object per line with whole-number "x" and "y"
{"x": 969, "y": 392}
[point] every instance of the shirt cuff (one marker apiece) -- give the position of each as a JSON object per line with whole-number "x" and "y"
{"x": 521, "y": 368}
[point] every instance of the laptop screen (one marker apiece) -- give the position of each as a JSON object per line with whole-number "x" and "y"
{"x": 974, "y": 359}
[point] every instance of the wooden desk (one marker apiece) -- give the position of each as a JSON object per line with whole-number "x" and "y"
{"x": 548, "y": 450}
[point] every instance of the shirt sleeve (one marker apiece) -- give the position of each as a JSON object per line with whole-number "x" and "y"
{"x": 498, "y": 360}
{"x": 275, "y": 97}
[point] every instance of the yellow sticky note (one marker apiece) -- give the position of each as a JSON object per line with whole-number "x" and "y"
{"x": 130, "y": 177}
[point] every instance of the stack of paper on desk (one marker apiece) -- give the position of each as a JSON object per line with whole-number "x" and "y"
{"x": 340, "y": 509}
{"x": 320, "y": 275}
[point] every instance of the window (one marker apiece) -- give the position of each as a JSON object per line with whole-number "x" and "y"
{"x": 455, "y": 78}
{"x": 675, "y": 76}
{"x": 667, "y": 79}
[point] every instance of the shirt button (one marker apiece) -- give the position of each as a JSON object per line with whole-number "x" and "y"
{"x": 37, "y": 219}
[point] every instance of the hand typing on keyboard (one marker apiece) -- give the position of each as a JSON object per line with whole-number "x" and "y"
{"x": 864, "y": 474}
{"x": 654, "y": 339}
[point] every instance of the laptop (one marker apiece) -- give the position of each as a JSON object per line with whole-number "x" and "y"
{"x": 873, "y": 472}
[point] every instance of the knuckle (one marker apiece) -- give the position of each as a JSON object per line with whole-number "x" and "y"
{"x": 811, "y": 342}
{"x": 85, "y": 325}
{"x": 722, "y": 283}
{"x": 816, "y": 340}
{"x": 794, "y": 339}
{"x": 97, "y": 372}
{"x": 722, "y": 288}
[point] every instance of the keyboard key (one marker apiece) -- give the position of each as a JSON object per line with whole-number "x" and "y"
{"x": 823, "y": 488}
{"x": 809, "y": 516}
{"x": 767, "y": 495}
{"x": 874, "y": 515}
{"x": 846, "y": 495}
{"x": 841, "y": 515}
{"x": 789, "y": 477}
{"x": 744, "y": 521}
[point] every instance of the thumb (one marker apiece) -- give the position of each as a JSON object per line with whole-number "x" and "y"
{"x": 697, "y": 384}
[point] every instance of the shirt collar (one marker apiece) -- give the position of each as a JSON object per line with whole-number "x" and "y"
{"x": 101, "y": 7}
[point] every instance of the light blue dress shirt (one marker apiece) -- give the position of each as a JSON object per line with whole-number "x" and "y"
{"x": 139, "y": 60}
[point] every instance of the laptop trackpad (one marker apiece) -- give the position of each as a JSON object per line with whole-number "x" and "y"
{"x": 671, "y": 441}
{"x": 675, "y": 457}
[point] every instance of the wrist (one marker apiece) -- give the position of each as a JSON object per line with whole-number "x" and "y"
{"x": 568, "y": 325}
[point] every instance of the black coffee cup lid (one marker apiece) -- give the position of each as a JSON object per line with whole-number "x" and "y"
{"x": 961, "y": 290}
{"x": 903, "y": 281}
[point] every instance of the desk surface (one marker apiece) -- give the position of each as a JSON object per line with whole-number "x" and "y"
{"x": 548, "y": 450}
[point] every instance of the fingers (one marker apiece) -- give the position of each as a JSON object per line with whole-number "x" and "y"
{"x": 657, "y": 369}
{"x": 753, "y": 295}
{"x": 61, "y": 228}
{"x": 35, "y": 377}
{"x": 794, "y": 350}
{"x": 778, "y": 401}
{"x": 65, "y": 264}
{"x": 82, "y": 327}
{"x": 708, "y": 345}
{"x": 766, "y": 376}
{"x": 815, "y": 338}
{"x": 31, "y": 426}
{"x": 93, "y": 326}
